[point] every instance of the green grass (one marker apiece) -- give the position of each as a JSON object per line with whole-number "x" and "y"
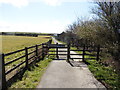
{"x": 107, "y": 75}
{"x": 13, "y": 43}
{"x": 31, "y": 77}
{"x": 74, "y": 48}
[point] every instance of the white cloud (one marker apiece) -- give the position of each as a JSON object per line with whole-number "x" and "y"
{"x": 44, "y": 27}
{"x": 16, "y": 3}
{"x": 22, "y": 3}
{"x": 53, "y": 2}
{"x": 59, "y": 2}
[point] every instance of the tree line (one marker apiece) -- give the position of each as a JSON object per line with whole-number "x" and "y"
{"x": 25, "y": 34}
{"x": 103, "y": 30}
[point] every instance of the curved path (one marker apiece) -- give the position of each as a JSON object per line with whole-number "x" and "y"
{"x": 61, "y": 74}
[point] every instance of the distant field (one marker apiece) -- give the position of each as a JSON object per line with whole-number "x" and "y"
{"x": 13, "y": 43}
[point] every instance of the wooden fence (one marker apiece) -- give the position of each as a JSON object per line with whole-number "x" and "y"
{"x": 28, "y": 56}
{"x": 87, "y": 52}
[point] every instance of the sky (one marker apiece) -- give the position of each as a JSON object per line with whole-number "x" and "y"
{"x": 44, "y": 16}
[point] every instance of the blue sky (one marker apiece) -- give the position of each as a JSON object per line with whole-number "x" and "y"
{"x": 45, "y": 16}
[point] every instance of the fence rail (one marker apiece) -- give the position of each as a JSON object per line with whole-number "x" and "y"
{"x": 33, "y": 53}
{"x": 29, "y": 55}
{"x": 93, "y": 52}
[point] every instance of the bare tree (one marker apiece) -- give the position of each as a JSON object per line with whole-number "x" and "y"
{"x": 109, "y": 13}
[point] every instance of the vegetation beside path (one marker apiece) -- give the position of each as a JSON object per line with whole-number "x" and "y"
{"x": 105, "y": 74}
{"x": 103, "y": 30}
{"x": 31, "y": 77}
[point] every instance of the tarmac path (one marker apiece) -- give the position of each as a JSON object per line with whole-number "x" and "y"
{"x": 61, "y": 74}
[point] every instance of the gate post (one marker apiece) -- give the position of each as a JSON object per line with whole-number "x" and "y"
{"x": 98, "y": 52}
{"x": 68, "y": 52}
{"x": 57, "y": 50}
{"x": 84, "y": 53}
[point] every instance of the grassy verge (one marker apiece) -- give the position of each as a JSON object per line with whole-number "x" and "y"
{"x": 31, "y": 77}
{"x": 105, "y": 74}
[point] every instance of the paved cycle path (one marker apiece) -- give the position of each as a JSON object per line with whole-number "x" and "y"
{"x": 61, "y": 74}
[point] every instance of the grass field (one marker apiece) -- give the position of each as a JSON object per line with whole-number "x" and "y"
{"x": 13, "y": 43}
{"x": 32, "y": 76}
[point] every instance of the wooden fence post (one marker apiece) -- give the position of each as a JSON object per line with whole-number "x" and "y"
{"x": 98, "y": 52}
{"x": 68, "y": 52}
{"x": 26, "y": 57}
{"x": 37, "y": 51}
{"x": 4, "y": 83}
{"x": 42, "y": 51}
{"x": 50, "y": 41}
{"x": 84, "y": 53}
{"x": 48, "y": 49}
{"x": 57, "y": 50}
